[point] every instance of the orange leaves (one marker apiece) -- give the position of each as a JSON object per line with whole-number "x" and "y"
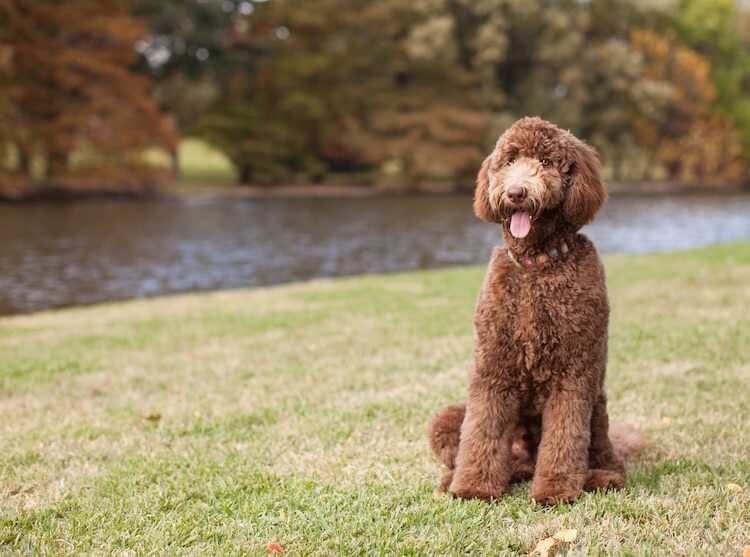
{"x": 686, "y": 70}
{"x": 710, "y": 150}
{"x": 692, "y": 142}
{"x": 543, "y": 547}
{"x": 275, "y": 549}
{"x": 74, "y": 83}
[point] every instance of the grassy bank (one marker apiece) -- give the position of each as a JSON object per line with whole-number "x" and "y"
{"x": 217, "y": 423}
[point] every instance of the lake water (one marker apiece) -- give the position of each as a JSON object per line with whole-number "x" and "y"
{"x": 61, "y": 255}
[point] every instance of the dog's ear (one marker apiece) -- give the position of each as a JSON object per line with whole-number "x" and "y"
{"x": 585, "y": 193}
{"x": 482, "y": 207}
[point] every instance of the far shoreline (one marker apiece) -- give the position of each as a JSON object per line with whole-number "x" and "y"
{"x": 172, "y": 192}
{"x": 429, "y": 190}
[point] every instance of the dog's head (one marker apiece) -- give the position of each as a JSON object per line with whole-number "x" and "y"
{"x": 539, "y": 178}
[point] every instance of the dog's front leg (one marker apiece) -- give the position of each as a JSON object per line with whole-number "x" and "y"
{"x": 484, "y": 465}
{"x": 562, "y": 461}
{"x": 606, "y": 469}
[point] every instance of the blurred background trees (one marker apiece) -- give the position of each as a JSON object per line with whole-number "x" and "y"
{"x": 388, "y": 92}
{"x": 72, "y": 94}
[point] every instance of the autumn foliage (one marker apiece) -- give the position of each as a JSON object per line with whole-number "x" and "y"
{"x": 71, "y": 93}
{"x": 407, "y": 92}
{"x": 390, "y": 93}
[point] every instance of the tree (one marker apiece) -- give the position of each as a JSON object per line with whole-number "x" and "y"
{"x": 194, "y": 51}
{"x": 571, "y": 62}
{"x": 336, "y": 89}
{"x": 683, "y": 133}
{"x": 197, "y": 52}
{"x": 582, "y": 65}
{"x": 73, "y": 88}
{"x": 714, "y": 29}
{"x": 421, "y": 90}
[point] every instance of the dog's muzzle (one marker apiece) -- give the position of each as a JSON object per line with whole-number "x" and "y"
{"x": 520, "y": 192}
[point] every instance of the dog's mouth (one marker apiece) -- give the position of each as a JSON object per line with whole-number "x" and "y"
{"x": 520, "y": 224}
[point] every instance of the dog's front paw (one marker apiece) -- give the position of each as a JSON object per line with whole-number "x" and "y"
{"x": 474, "y": 490}
{"x": 472, "y": 493}
{"x": 558, "y": 489}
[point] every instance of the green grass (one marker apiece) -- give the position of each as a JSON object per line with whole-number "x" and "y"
{"x": 199, "y": 159}
{"x": 201, "y": 166}
{"x": 297, "y": 415}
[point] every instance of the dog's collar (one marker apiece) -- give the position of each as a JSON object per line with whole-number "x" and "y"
{"x": 552, "y": 253}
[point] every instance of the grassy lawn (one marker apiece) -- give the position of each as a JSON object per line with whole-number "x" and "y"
{"x": 217, "y": 423}
{"x": 201, "y": 166}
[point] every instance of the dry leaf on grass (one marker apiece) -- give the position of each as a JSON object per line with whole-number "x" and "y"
{"x": 275, "y": 549}
{"x": 667, "y": 421}
{"x": 733, "y": 487}
{"x": 153, "y": 417}
{"x": 543, "y": 547}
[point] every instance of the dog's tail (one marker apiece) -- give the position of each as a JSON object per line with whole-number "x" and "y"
{"x": 627, "y": 441}
{"x": 445, "y": 432}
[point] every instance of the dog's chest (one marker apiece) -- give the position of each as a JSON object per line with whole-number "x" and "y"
{"x": 545, "y": 321}
{"x": 538, "y": 331}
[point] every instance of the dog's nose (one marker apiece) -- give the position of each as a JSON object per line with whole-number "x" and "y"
{"x": 517, "y": 194}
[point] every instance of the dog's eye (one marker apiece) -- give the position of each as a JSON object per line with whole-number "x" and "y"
{"x": 545, "y": 162}
{"x": 511, "y": 161}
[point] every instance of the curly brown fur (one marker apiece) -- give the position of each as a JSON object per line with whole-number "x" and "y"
{"x": 444, "y": 432}
{"x": 536, "y": 401}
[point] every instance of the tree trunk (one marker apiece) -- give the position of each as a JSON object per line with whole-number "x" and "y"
{"x": 617, "y": 166}
{"x": 463, "y": 27}
{"x": 57, "y": 163}
{"x": 24, "y": 160}
{"x": 246, "y": 174}
{"x": 175, "y": 158}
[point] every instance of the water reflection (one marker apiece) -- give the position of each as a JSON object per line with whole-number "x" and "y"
{"x": 61, "y": 255}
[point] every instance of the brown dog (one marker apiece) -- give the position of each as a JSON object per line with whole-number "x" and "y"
{"x": 536, "y": 401}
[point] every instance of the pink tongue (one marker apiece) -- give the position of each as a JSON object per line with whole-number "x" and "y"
{"x": 520, "y": 224}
